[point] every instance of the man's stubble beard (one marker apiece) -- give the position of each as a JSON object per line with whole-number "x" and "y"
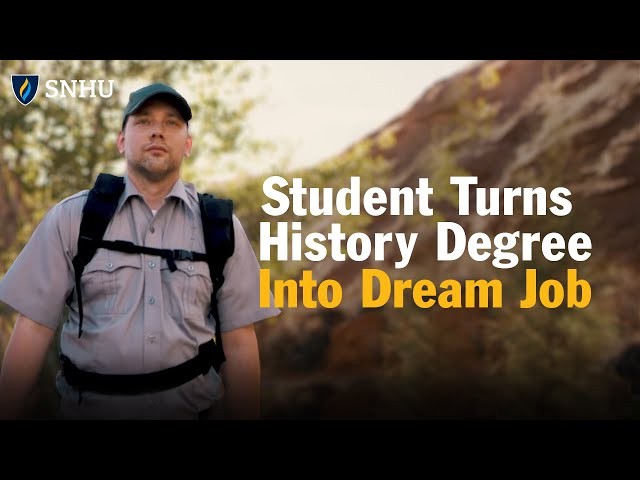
{"x": 154, "y": 174}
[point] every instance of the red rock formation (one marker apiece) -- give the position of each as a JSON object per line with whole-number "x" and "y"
{"x": 510, "y": 123}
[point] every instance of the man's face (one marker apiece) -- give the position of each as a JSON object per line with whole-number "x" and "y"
{"x": 154, "y": 140}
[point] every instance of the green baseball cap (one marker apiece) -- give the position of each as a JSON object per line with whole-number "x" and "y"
{"x": 138, "y": 97}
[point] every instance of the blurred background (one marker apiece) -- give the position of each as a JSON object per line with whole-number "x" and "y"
{"x": 510, "y": 123}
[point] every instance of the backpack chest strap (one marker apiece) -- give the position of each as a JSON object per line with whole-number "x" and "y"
{"x": 128, "y": 247}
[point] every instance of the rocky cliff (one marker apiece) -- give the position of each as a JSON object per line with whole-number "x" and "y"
{"x": 574, "y": 124}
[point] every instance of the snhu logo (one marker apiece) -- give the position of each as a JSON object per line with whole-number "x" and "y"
{"x": 25, "y": 87}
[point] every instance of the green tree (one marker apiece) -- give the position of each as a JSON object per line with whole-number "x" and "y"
{"x": 54, "y": 147}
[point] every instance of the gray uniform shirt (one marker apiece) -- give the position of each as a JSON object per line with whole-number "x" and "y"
{"x": 139, "y": 317}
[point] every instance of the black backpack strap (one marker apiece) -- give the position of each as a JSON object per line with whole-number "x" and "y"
{"x": 217, "y": 223}
{"x": 168, "y": 254}
{"x": 134, "y": 384}
{"x": 98, "y": 210}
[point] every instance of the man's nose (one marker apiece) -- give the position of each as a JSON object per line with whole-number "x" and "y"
{"x": 157, "y": 130}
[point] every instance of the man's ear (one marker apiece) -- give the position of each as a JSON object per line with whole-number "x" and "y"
{"x": 120, "y": 142}
{"x": 189, "y": 144}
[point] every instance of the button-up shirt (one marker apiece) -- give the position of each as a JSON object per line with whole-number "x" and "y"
{"x": 139, "y": 316}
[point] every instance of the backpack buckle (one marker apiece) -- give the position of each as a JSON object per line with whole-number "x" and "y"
{"x": 182, "y": 255}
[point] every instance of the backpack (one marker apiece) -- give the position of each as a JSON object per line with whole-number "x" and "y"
{"x": 216, "y": 214}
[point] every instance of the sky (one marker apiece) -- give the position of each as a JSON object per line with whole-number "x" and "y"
{"x": 315, "y": 109}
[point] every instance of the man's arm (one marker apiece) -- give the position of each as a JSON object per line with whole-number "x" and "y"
{"x": 241, "y": 373}
{"x": 23, "y": 361}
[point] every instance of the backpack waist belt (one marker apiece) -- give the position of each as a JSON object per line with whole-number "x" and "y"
{"x": 140, "y": 383}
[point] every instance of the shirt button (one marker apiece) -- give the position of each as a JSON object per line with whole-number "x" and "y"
{"x": 151, "y": 229}
{"x": 109, "y": 265}
{"x": 190, "y": 268}
{"x": 152, "y": 338}
{"x": 152, "y": 300}
{"x": 152, "y": 264}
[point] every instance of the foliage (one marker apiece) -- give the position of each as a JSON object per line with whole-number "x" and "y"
{"x": 54, "y": 147}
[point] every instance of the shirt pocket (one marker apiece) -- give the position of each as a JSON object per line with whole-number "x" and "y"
{"x": 196, "y": 294}
{"x": 111, "y": 283}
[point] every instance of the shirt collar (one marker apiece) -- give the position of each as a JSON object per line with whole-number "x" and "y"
{"x": 178, "y": 191}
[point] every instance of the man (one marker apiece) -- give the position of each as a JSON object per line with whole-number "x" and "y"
{"x": 139, "y": 314}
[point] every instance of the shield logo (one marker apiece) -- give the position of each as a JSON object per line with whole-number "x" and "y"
{"x": 25, "y": 87}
